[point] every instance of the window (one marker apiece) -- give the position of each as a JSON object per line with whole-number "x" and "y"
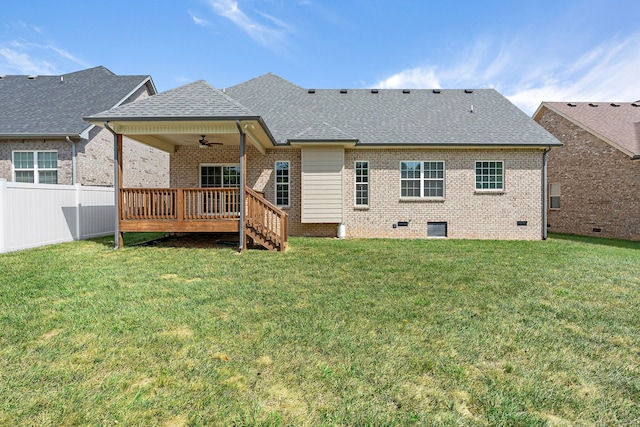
{"x": 36, "y": 166}
{"x": 282, "y": 183}
{"x": 490, "y": 175}
{"x": 422, "y": 179}
{"x": 554, "y": 196}
{"x": 361, "y": 170}
{"x": 436, "y": 229}
{"x": 220, "y": 176}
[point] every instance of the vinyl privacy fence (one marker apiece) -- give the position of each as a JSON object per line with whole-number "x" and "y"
{"x": 33, "y": 215}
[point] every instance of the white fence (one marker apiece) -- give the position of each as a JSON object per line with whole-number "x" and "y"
{"x": 33, "y": 215}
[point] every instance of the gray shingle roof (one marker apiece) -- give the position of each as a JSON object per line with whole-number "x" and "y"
{"x": 192, "y": 101}
{"x": 56, "y": 105}
{"x": 391, "y": 116}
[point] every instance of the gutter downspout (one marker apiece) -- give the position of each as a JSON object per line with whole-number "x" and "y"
{"x": 243, "y": 172}
{"x": 116, "y": 185}
{"x": 544, "y": 193}
{"x": 74, "y": 164}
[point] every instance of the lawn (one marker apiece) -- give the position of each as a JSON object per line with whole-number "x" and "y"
{"x": 330, "y": 333}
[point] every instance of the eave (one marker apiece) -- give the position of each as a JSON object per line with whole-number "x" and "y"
{"x": 166, "y": 133}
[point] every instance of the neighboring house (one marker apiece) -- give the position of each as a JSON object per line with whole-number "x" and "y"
{"x": 44, "y": 139}
{"x": 594, "y": 179}
{"x": 353, "y": 163}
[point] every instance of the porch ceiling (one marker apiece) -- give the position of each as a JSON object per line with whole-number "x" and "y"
{"x": 167, "y": 134}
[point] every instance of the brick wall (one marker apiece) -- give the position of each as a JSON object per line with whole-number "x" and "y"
{"x": 467, "y": 213}
{"x": 600, "y": 185}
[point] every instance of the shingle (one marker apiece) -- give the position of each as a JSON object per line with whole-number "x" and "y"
{"x": 57, "y": 104}
{"x": 194, "y": 100}
{"x": 391, "y": 116}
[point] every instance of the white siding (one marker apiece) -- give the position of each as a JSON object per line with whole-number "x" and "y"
{"x": 33, "y": 215}
{"x": 322, "y": 192}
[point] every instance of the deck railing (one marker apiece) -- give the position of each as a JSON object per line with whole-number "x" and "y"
{"x": 179, "y": 203}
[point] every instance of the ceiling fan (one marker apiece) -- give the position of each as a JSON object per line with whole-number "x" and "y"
{"x": 204, "y": 143}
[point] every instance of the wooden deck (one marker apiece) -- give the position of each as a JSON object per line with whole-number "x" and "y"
{"x": 185, "y": 210}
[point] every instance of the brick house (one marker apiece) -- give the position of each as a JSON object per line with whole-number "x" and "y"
{"x": 594, "y": 178}
{"x": 44, "y": 139}
{"x": 352, "y": 163}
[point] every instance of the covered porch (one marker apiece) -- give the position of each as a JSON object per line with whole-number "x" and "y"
{"x": 195, "y": 115}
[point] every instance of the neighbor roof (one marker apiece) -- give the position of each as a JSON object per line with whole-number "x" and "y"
{"x": 389, "y": 116}
{"x": 32, "y": 106}
{"x": 617, "y": 123}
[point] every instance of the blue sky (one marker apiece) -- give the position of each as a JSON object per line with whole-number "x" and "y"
{"x": 530, "y": 51}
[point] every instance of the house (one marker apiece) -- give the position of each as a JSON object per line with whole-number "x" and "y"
{"x": 268, "y": 158}
{"x": 44, "y": 139}
{"x": 594, "y": 178}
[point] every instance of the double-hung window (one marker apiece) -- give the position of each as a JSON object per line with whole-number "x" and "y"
{"x": 218, "y": 202}
{"x": 35, "y": 166}
{"x": 423, "y": 179}
{"x": 361, "y": 170}
{"x": 226, "y": 176}
{"x": 554, "y": 196}
{"x": 282, "y": 183}
{"x": 490, "y": 175}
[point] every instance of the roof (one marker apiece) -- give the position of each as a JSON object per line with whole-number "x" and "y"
{"x": 389, "y": 116}
{"x": 197, "y": 100}
{"x": 617, "y": 123}
{"x": 55, "y": 105}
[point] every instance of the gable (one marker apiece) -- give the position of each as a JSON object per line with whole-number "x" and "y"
{"x": 617, "y": 124}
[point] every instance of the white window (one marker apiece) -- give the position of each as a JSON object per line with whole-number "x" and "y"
{"x": 361, "y": 170}
{"x": 490, "y": 175}
{"x": 35, "y": 166}
{"x": 422, "y": 179}
{"x": 220, "y": 175}
{"x": 554, "y": 196}
{"x": 282, "y": 183}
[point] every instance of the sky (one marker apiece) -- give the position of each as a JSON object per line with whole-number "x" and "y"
{"x": 530, "y": 51}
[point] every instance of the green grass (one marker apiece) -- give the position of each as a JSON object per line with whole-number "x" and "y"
{"x": 345, "y": 333}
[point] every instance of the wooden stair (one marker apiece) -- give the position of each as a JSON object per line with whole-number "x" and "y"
{"x": 265, "y": 223}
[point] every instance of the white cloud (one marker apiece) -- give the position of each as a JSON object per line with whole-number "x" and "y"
{"x": 198, "y": 21}
{"x": 413, "y": 78}
{"x": 271, "y": 36}
{"x": 607, "y": 72}
{"x": 26, "y": 53}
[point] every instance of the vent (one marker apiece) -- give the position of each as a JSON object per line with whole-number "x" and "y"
{"x": 374, "y": 90}
{"x": 591, "y": 104}
{"x": 406, "y": 91}
{"x": 468, "y": 91}
{"x": 570, "y": 104}
{"x": 403, "y": 223}
{"x": 343, "y": 90}
{"x": 613, "y": 104}
{"x": 521, "y": 223}
{"x": 311, "y": 91}
{"x": 437, "y": 91}
{"x": 597, "y": 230}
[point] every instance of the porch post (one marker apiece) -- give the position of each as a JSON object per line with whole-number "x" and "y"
{"x": 119, "y": 242}
{"x": 243, "y": 178}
